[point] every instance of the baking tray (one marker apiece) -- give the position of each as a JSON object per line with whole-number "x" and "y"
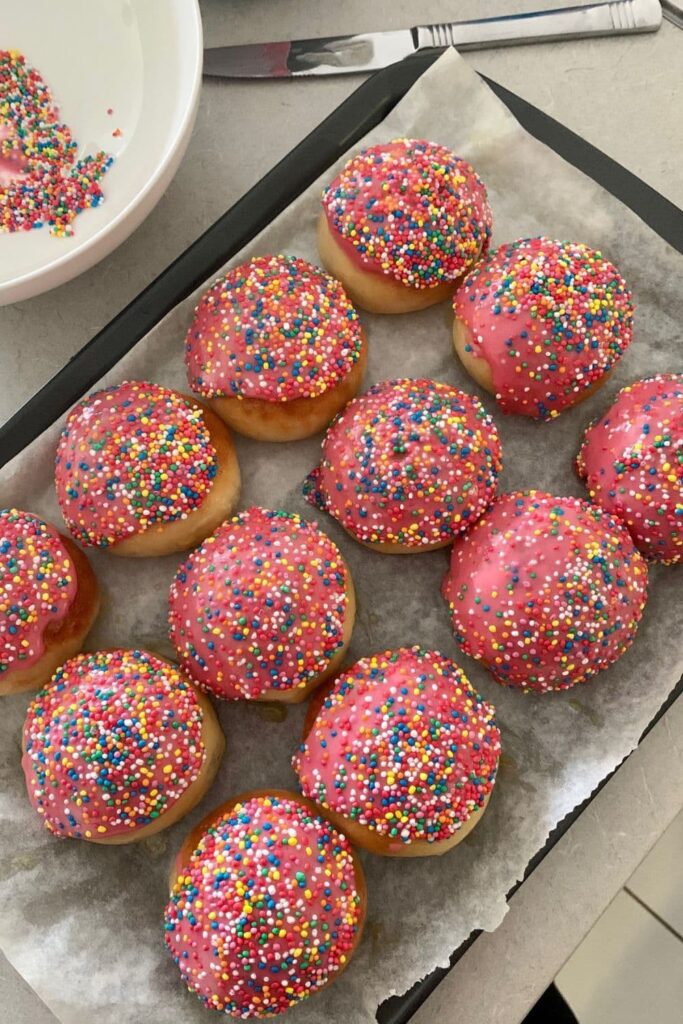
{"x": 361, "y": 112}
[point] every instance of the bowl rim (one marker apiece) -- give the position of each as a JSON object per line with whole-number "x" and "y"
{"x": 192, "y": 37}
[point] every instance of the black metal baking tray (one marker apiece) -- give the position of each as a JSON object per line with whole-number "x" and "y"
{"x": 361, "y": 112}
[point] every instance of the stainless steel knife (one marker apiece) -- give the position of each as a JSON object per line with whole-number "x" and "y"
{"x": 343, "y": 55}
{"x": 673, "y": 12}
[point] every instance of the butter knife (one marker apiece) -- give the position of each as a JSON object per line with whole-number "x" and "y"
{"x": 343, "y": 55}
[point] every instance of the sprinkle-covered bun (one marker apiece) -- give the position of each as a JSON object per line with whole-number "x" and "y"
{"x": 264, "y": 609}
{"x": 401, "y": 753}
{"x": 142, "y": 470}
{"x": 402, "y": 223}
{"x": 632, "y": 463}
{"x": 407, "y": 466}
{"x": 276, "y": 347}
{"x": 267, "y": 905}
{"x": 539, "y": 323}
{"x": 118, "y": 746}
{"x": 49, "y": 599}
{"x": 545, "y": 591}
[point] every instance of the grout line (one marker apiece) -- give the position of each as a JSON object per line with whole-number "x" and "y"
{"x": 654, "y": 914}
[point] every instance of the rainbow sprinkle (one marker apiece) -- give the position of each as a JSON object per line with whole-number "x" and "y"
{"x": 37, "y": 586}
{"x": 267, "y": 910}
{"x": 632, "y": 462}
{"x": 130, "y": 456}
{"x": 402, "y": 745}
{"x": 410, "y": 462}
{"x": 410, "y": 209}
{"x": 41, "y": 181}
{"x": 275, "y": 328}
{"x": 545, "y": 591}
{"x": 260, "y": 605}
{"x": 549, "y": 318}
{"x": 111, "y": 743}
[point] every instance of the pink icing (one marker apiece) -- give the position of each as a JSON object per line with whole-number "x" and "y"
{"x": 13, "y": 161}
{"x": 259, "y": 606}
{"x": 412, "y": 462}
{"x": 632, "y": 462}
{"x": 266, "y": 910}
{"x": 549, "y": 318}
{"x": 402, "y": 745}
{"x": 38, "y": 585}
{"x": 276, "y": 329}
{"x": 111, "y": 743}
{"x": 411, "y": 210}
{"x": 131, "y": 456}
{"x": 545, "y": 591}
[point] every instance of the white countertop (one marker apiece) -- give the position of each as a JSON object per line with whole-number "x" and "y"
{"x": 623, "y": 95}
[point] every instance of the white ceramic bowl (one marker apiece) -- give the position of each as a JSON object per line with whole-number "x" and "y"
{"x": 143, "y": 60}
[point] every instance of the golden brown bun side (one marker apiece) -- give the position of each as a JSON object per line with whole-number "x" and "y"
{"x": 66, "y": 638}
{"x": 290, "y": 421}
{"x": 477, "y": 367}
{"x": 375, "y": 292}
{"x": 374, "y": 842}
{"x": 480, "y": 371}
{"x": 369, "y": 839}
{"x": 393, "y": 548}
{"x": 213, "y": 741}
{"x": 296, "y": 696}
{"x": 166, "y": 538}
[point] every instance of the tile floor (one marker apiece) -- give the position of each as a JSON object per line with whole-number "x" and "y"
{"x": 629, "y": 968}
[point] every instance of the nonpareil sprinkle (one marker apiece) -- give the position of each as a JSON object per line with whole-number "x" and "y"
{"x": 42, "y": 181}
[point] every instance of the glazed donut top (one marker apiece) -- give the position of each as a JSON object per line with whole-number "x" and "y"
{"x": 38, "y": 584}
{"x": 549, "y": 318}
{"x": 412, "y": 462}
{"x": 632, "y": 462}
{"x": 260, "y": 605}
{"x": 267, "y": 909}
{"x": 402, "y": 745}
{"x": 545, "y": 591}
{"x": 410, "y": 209}
{"x": 111, "y": 743}
{"x": 276, "y": 328}
{"x": 130, "y": 456}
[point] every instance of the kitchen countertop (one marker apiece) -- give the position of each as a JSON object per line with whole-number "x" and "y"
{"x": 621, "y": 94}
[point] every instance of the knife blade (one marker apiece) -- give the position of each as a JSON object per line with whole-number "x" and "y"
{"x": 673, "y": 12}
{"x": 369, "y": 51}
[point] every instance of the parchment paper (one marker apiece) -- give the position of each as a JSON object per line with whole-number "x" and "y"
{"x": 82, "y": 923}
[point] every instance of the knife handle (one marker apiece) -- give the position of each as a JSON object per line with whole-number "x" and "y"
{"x": 619, "y": 16}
